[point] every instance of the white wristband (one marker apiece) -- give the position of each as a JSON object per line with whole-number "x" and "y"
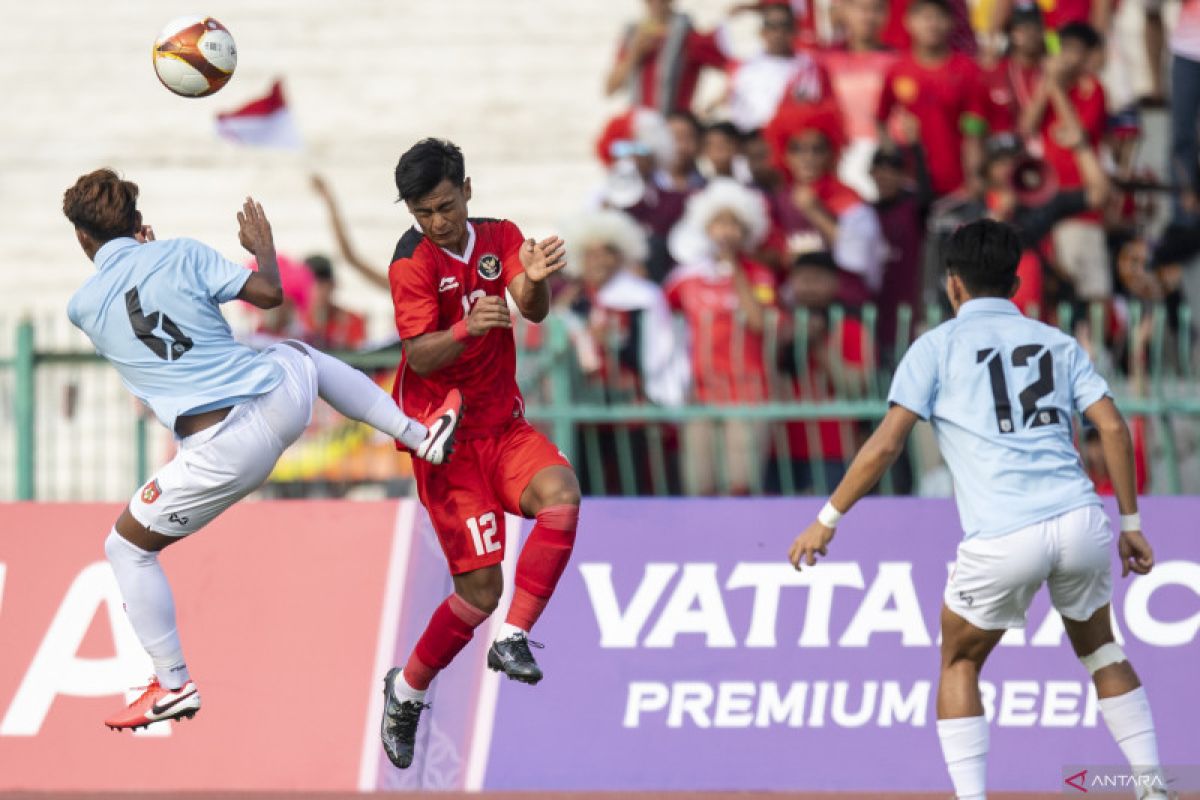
{"x": 829, "y": 516}
{"x": 1131, "y": 522}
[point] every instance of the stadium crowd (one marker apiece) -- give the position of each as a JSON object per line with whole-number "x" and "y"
{"x": 782, "y": 242}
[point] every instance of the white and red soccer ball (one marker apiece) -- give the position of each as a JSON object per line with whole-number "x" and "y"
{"x": 194, "y": 56}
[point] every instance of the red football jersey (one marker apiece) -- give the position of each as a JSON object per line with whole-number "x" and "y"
{"x": 432, "y": 289}
{"x": 940, "y": 96}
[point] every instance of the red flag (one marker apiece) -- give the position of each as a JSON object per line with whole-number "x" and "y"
{"x": 265, "y": 122}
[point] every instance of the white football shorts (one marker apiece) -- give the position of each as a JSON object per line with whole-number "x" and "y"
{"x": 220, "y": 465}
{"x": 994, "y": 579}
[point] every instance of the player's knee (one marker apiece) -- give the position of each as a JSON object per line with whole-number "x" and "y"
{"x": 1106, "y": 655}
{"x": 560, "y": 492}
{"x": 481, "y": 588}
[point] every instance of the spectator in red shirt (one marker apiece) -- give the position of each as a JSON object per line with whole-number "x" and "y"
{"x": 943, "y": 89}
{"x": 1013, "y": 81}
{"x": 724, "y": 296}
{"x": 815, "y": 211}
{"x": 1058, "y": 14}
{"x": 856, "y": 67}
{"x": 839, "y": 352}
{"x": 1079, "y": 244}
{"x": 661, "y": 57}
{"x": 330, "y": 327}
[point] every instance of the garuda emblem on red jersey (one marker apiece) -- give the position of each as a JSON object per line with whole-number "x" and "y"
{"x": 488, "y": 267}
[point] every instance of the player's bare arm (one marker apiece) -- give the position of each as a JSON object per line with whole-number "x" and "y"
{"x": 873, "y": 460}
{"x": 264, "y": 288}
{"x": 432, "y": 351}
{"x": 540, "y": 260}
{"x": 1135, "y": 551}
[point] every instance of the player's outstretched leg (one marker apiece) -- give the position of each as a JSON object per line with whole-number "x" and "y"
{"x": 552, "y": 498}
{"x": 449, "y": 630}
{"x": 1123, "y": 701}
{"x": 962, "y": 726}
{"x": 150, "y": 605}
{"x": 355, "y": 396}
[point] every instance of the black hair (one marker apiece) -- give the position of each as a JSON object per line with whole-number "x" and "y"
{"x": 426, "y": 164}
{"x": 1177, "y": 244}
{"x": 985, "y": 255}
{"x": 726, "y": 129}
{"x": 887, "y": 157}
{"x": 943, "y": 5}
{"x": 1080, "y": 32}
{"x": 320, "y": 266}
{"x": 689, "y": 118}
{"x": 821, "y": 259}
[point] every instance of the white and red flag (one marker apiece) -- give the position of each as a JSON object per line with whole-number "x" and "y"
{"x": 265, "y": 122}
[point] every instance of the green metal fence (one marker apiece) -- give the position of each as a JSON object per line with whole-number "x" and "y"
{"x": 75, "y": 434}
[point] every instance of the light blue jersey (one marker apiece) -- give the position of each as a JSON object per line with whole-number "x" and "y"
{"x": 153, "y": 310}
{"x": 1001, "y": 391}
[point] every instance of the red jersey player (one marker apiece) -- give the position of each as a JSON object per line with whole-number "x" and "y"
{"x": 448, "y": 279}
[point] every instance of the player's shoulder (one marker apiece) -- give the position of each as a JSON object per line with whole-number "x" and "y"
{"x": 411, "y": 245}
{"x": 494, "y": 227}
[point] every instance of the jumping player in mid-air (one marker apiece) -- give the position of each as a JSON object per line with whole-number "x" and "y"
{"x": 449, "y": 276}
{"x": 1001, "y": 392}
{"x": 153, "y": 310}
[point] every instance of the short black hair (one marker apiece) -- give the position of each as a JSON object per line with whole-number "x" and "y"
{"x": 320, "y": 266}
{"x": 426, "y": 164}
{"x": 783, "y": 8}
{"x": 820, "y": 259}
{"x": 726, "y": 129}
{"x": 942, "y": 5}
{"x": 985, "y": 254}
{"x": 1080, "y": 32}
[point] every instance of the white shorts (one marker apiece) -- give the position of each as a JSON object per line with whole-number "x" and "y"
{"x": 994, "y": 580}
{"x": 220, "y": 465}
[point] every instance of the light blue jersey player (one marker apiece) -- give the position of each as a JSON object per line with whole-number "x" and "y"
{"x": 153, "y": 310}
{"x": 1001, "y": 392}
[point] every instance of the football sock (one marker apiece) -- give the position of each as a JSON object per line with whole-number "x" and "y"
{"x": 352, "y": 394}
{"x": 405, "y": 693}
{"x": 150, "y": 607}
{"x": 508, "y": 630}
{"x": 449, "y": 630}
{"x": 1128, "y": 719}
{"x": 965, "y": 747}
{"x": 542, "y": 562}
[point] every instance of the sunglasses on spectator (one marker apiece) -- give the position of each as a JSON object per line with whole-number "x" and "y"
{"x": 799, "y": 148}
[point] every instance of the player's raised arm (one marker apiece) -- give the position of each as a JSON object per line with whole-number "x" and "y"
{"x": 875, "y": 458}
{"x": 263, "y": 289}
{"x": 540, "y": 260}
{"x": 1136, "y": 554}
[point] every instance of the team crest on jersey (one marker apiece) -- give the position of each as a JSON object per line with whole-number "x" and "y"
{"x": 488, "y": 267}
{"x": 151, "y": 492}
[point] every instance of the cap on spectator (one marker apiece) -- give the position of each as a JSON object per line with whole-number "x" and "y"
{"x": 1025, "y": 14}
{"x": 1002, "y": 145}
{"x": 321, "y": 267}
{"x": 794, "y": 119}
{"x": 689, "y": 242}
{"x": 640, "y": 131}
{"x": 606, "y": 227}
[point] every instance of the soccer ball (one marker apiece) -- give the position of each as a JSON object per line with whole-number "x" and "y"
{"x": 194, "y": 56}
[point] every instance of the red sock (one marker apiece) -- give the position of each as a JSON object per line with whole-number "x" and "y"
{"x": 449, "y": 630}
{"x": 542, "y": 562}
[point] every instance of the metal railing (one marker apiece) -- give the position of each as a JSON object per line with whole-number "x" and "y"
{"x": 75, "y": 434}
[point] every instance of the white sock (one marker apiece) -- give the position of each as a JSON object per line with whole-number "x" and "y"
{"x": 352, "y": 394}
{"x": 150, "y": 607}
{"x": 405, "y": 693}
{"x": 508, "y": 630}
{"x": 965, "y": 747}
{"x": 1128, "y": 719}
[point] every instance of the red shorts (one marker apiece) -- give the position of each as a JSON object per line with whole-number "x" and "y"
{"x": 485, "y": 477}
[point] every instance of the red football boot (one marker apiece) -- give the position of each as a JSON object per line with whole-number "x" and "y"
{"x": 157, "y": 704}
{"x": 442, "y": 424}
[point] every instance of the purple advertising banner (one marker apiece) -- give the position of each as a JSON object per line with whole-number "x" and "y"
{"x": 683, "y": 652}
